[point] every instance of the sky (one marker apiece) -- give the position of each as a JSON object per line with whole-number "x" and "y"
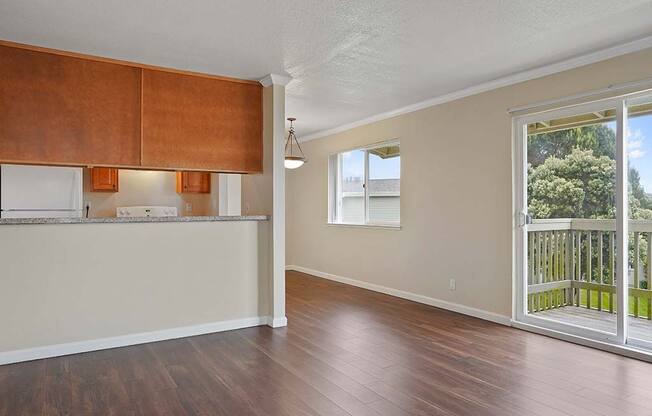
{"x": 639, "y": 147}
{"x": 353, "y": 166}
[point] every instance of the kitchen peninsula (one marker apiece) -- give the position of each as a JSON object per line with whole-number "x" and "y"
{"x": 131, "y": 220}
{"x": 95, "y": 279}
{"x": 70, "y": 288}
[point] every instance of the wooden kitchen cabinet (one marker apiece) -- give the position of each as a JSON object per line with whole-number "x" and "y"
{"x": 201, "y": 123}
{"x": 64, "y": 108}
{"x": 57, "y": 109}
{"x": 104, "y": 180}
{"x": 194, "y": 182}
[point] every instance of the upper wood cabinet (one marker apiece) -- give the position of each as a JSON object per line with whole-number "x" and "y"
{"x": 194, "y": 182}
{"x": 201, "y": 123}
{"x": 63, "y": 110}
{"x": 104, "y": 180}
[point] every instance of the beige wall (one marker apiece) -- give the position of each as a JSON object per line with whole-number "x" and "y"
{"x": 76, "y": 282}
{"x": 143, "y": 187}
{"x": 257, "y": 189}
{"x": 265, "y": 193}
{"x": 456, "y": 194}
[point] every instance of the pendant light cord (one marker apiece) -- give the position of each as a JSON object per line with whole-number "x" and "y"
{"x": 289, "y": 142}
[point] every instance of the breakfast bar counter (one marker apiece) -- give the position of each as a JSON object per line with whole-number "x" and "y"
{"x": 103, "y": 220}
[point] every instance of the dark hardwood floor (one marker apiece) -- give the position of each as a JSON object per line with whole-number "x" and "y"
{"x": 346, "y": 351}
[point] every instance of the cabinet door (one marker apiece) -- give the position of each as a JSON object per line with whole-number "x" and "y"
{"x": 194, "y": 182}
{"x": 56, "y": 109}
{"x": 195, "y": 122}
{"x": 104, "y": 180}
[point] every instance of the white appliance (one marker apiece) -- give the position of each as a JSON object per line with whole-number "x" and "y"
{"x": 40, "y": 192}
{"x": 146, "y": 211}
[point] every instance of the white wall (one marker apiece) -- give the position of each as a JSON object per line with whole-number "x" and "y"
{"x": 456, "y": 194}
{"x": 257, "y": 189}
{"x": 77, "y": 282}
{"x": 230, "y": 194}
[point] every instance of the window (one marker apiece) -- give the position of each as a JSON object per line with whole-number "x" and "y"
{"x": 365, "y": 186}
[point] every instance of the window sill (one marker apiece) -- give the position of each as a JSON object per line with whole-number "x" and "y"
{"x": 372, "y": 226}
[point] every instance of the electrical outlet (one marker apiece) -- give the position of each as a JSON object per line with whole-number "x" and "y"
{"x": 451, "y": 284}
{"x": 188, "y": 207}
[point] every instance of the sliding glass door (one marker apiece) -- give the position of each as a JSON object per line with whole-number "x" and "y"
{"x": 639, "y": 155}
{"x": 584, "y": 220}
{"x": 571, "y": 189}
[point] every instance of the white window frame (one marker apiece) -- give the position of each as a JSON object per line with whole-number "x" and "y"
{"x": 334, "y": 191}
{"x": 619, "y": 341}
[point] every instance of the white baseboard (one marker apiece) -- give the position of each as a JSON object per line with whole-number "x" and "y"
{"x": 455, "y": 307}
{"x": 57, "y": 350}
{"x": 278, "y": 322}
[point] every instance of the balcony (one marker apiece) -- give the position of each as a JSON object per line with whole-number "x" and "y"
{"x": 571, "y": 275}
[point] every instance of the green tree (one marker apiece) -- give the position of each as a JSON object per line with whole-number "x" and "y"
{"x": 638, "y": 193}
{"x": 580, "y": 185}
{"x": 599, "y": 138}
{"x": 571, "y": 174}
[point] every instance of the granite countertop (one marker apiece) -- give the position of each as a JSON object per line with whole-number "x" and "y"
{"x": 103, "y": 220}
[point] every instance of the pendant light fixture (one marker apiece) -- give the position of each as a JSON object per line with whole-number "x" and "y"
{"x": 292, "y": 160}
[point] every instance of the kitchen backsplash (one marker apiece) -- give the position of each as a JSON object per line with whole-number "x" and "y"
{"x": 149, "y": 188}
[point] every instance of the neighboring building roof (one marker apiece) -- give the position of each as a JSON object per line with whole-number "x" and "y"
{"x": 376, "y": 186}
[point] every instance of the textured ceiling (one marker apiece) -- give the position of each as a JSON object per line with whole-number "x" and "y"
{"x": 349, "y": 59}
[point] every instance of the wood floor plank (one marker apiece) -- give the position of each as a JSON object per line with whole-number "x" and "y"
{"x": 346, "y": 352}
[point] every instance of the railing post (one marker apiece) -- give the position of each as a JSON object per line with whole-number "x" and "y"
{"x": 530, "y": 277}
{"x": 589, "y": 268}
{"x": 637, "y": 263}
{"x": 567, "y": 266}
{"x": 578, "y": 264}
{"x": 612, "y": 276}
{"x": 557, "y": 266}
{"x": 600, "y": 269}
{"x": 546, "y": 268}
{"x": 649, "y": 274}
{"x": 540, "y": 265}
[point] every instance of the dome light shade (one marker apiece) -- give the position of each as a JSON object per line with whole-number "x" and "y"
{"x": 292, "y": 160}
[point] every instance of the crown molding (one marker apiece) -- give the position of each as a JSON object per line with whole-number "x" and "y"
{"x": 542, "y": 71}
{"x": 275, "y": 79}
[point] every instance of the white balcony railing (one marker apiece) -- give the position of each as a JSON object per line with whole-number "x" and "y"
{"x": 571, "y": 263}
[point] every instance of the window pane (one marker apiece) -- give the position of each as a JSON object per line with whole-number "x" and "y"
{"x": 571, "y": 193}
{"x": 385, "y": 185}
{"x": 639, "y": 156}
{"x": 351, "y": 190}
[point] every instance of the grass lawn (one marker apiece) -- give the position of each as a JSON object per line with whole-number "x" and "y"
{"x": 546, "y": 298}
{"x": 642, "y": 303}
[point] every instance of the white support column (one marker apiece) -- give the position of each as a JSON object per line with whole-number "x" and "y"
{"x": 622, "y": 231}
{"x": 276, "y": 85}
